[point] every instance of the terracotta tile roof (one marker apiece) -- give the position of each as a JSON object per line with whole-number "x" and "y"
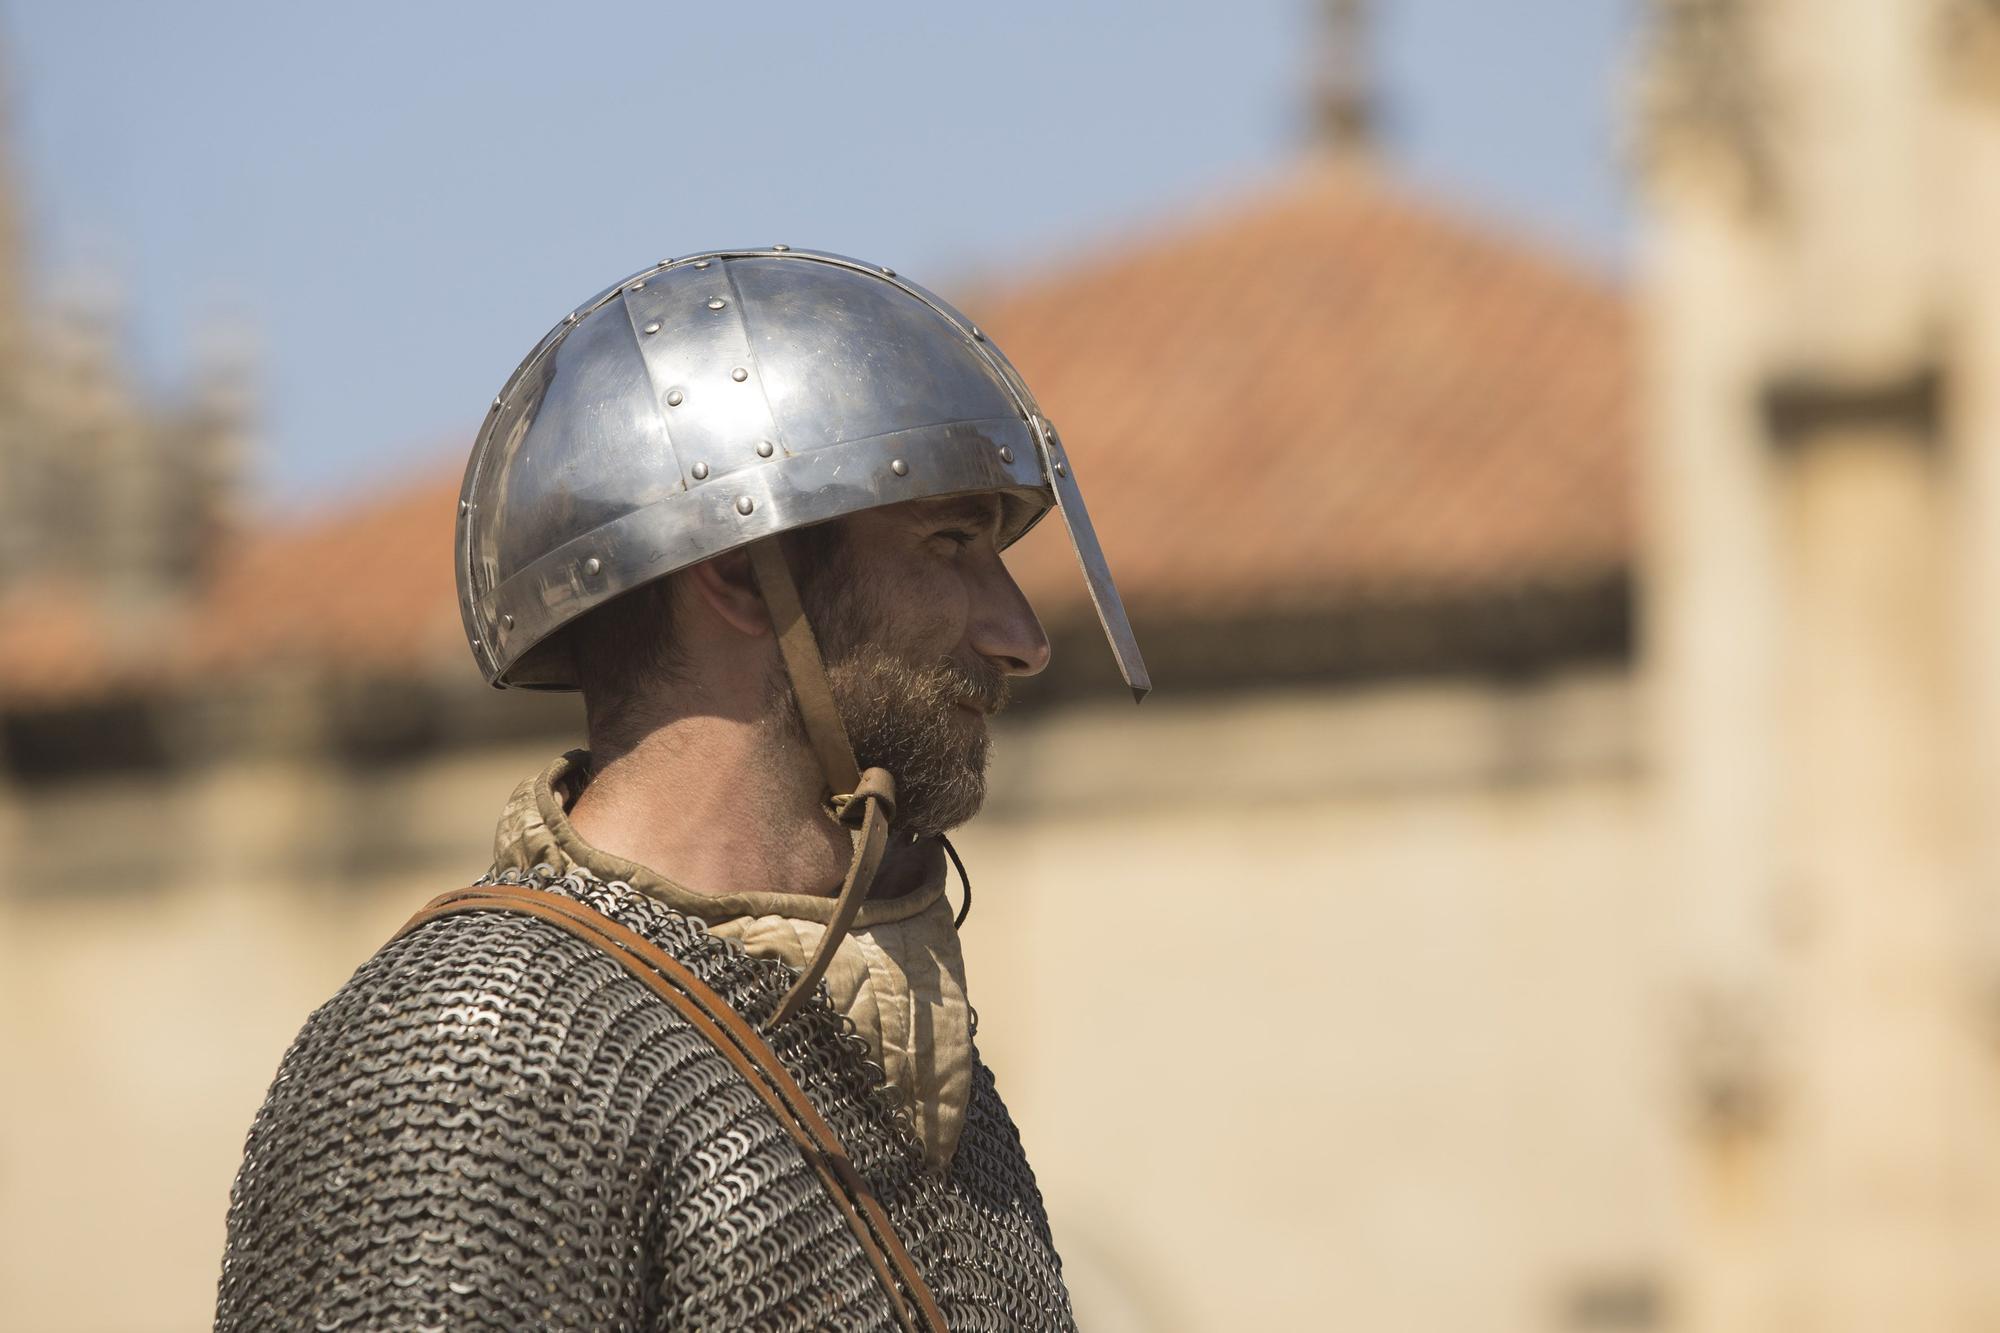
{"x": 1330, "y": 392}
{"x": 55, "y": 639}
{"x": 372, "y": 584}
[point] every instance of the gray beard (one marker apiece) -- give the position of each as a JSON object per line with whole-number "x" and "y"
{"x": 901, "y": 716}
{"x": 906, "y": 719}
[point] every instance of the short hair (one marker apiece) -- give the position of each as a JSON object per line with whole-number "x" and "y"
{"x": 617, "y": 648}
{"x": 625, "y": 649}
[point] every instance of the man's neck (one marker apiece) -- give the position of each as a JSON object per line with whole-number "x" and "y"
{"x": 722, "y": 805}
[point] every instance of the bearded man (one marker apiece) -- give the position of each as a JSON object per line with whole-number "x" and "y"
{"x": 696, "y": 1052}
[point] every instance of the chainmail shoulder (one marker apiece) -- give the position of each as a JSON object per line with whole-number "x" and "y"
{"x": 493, "y": 1125}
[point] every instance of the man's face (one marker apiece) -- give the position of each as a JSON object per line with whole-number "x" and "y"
{"x": 921, "y": 627}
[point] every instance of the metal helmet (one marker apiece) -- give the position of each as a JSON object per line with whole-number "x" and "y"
{"x": 711, "y": 401}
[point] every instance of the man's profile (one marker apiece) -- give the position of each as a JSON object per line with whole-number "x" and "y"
{"x": 697, "y": 1051}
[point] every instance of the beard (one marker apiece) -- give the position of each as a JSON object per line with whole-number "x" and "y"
{"x": 909, "y": 719}
{"x": 903, "y": 713}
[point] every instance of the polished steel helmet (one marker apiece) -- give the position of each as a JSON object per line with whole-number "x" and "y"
{"x": 721, "y": 398}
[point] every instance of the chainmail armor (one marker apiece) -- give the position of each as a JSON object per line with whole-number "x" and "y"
{"x": 493, "y": 1125}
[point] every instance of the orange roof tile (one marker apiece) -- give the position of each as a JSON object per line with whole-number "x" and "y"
{"x": 55, "y": 639}
{"x": 370, "y": 586}
{"x": 1331, "y": 392}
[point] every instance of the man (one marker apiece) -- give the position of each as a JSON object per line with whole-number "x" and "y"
{"x": 696, "y": 1053}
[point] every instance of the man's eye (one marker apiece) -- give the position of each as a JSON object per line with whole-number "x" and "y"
{"x": 959, "y": 535}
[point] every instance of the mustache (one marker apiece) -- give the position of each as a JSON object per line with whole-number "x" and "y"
{"x": 981, "y": 684}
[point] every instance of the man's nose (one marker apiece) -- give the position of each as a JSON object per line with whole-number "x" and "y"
{"x": 1005, "y": 629}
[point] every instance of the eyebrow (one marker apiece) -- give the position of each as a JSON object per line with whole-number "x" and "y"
{"x": 980, "y": 508}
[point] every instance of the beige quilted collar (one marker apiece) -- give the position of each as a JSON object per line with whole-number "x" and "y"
{"x": 536, "y": 825}
{"x": 898, "y": 975}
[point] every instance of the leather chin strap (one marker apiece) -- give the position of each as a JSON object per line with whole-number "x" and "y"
{"x": 865, "y": 802}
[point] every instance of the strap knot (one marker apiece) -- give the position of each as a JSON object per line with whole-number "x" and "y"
{"x": 877, "y": 784}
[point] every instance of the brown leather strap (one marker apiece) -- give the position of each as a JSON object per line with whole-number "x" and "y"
{"x": 865, "y": 802}
{"x": 800, "y": 649}
{"x": 709, "y": 1014}
{"x": 874, "y": 801}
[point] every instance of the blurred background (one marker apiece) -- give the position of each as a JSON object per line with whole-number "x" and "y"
{"x": 1552, "y": 456}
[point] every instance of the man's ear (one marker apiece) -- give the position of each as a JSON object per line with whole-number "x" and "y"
{"x": 726, "y": 586}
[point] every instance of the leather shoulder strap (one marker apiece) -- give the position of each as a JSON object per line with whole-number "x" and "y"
{"x": 746, "y": 1049}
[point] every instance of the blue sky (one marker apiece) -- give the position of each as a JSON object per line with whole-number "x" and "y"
{"x": 395, "y": 200}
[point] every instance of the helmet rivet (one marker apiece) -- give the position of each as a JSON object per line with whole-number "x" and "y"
{"x": 663, "y": 263}
{"x": 899, "y": 467}
{"x": 506, "y": 622}
{"x": 1006, "y": 454}
{"x": 701, "y": 263}
{"x": 675, "y": 398}
{"x": 1061, "y": 471}
{"x": 764, "y": 449}
{"x": 977, "y": 335}
{"x": 653, "y": 327}
{"x": 781, "y": 248}
{"x": 888, "y": 272}
{"x": 739, "y": 374}
{"x": 637, "y": 285}
{"x": 700, "y": 471}
{"x": 716, "y": 303}
{"x": 496, "y": 402}
{"x": 465, "y": 506}
{"x": 744, "y": 504}
{"x": 592, "y": 565}
{"x": 570, "y": 318}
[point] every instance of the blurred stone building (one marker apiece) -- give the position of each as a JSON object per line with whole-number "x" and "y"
{"x": 1821, "y": 365}
{"x": 1548, "y": 890}
{"x": 110, "y": 496}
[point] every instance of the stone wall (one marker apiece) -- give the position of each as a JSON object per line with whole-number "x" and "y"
{"x": 1320, "y": 1008}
